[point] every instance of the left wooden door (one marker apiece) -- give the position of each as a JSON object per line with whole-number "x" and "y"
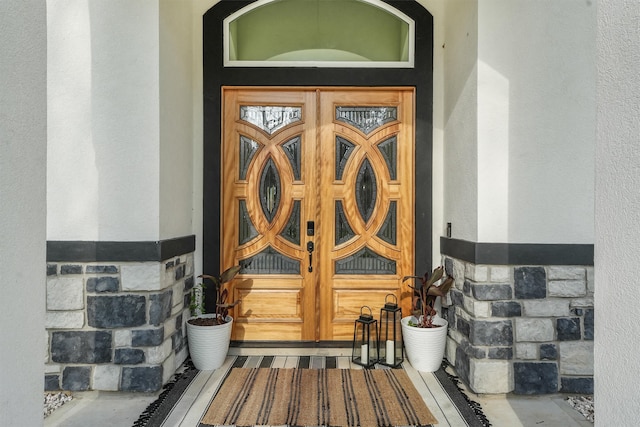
{"x": 269, "y": 181}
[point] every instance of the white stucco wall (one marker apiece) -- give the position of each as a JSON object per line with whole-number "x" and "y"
{"x": 460, "y": 119}
{"x": 23, "y": 119}
{"x": 176, "y": 119}
{"x": 536, "y": 121}
{"x": 617, "y": 214}
{"x": 519, "y": 139}
{"x": 104, "y": 121}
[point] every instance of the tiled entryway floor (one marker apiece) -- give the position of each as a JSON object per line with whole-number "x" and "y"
{"x": 98, "y": 409}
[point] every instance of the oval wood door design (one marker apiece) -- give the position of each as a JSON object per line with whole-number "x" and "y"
{"x": 317, "y": 199}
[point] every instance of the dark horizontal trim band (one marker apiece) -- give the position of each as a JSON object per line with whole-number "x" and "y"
{"x": 517, "y": 253}
{"x": 95, "y": 251}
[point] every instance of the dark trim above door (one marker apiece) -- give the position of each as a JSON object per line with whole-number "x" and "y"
{"x": 215, "y": 76}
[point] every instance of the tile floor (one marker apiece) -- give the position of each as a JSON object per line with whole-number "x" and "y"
{"x": 114, "y": 409}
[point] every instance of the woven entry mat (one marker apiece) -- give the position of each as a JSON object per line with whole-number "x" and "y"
{"x": 317, "y": 397}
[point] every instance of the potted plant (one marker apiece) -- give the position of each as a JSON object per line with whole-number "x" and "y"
{"x": 424, "y": 332}
{"x": 208, "y": 335}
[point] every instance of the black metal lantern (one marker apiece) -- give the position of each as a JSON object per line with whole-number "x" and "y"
{"x": 365, "y": 345}
{"x": 390, "y": 348}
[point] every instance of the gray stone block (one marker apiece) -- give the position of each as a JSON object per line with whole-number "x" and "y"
{"x": 534, "y": 330}
{"x": 492, "y": 333}
{"x": 52, "y": 269}
{"x": 566, "y": 273}
{"x": 147, "y": 337}
{"x": 448, "y": 266}
{"x": 76, "y": 378}
{"x": 506, "y": 309}
{"x": 101, "y": 269}
{"x": 471, "y": 351}
{"x": 576, "y": 358}
{"x": 179, "y": 322}
{"x": 116, "y": 311}
{"x": 457, "y": 298}
{"x": 106, "y": 377}
{"x": 466, "y": 288}
{"x": 526, "y": 351}
{"x": 588, "y": 324}
{"x": 177, "y": 341}
{"x": 576, "y": 385}
{"x": 462, "y": 326}
{"x": 462, "y": 365}
{"x": 65, "y": 293}
{"x": 179, "y": 272}
{"x": 491, "y": 376}
{"x": 567, "y": 288}
{"x": 548, "y": 352}
{"x": 535, "y": 377}
{"x": 70, "y": 269}
{"x": 530, "y": 283}
{"x": 188, "y": 283}
{"x": 568, "y": 329}
{"x": 505, "y": 353}
{"x": 491, "y": 292}
{"x": 51, "y": 382}
{"x": 128, "y": 356}
{"x": 160, "y": 307}
{"x": 103, "y": 284}
{"x": 81, "y": 347}
{"x": 141, "y": 379}
{"x": 546, "y": 308}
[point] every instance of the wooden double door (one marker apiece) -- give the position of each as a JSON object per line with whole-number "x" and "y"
{"x": 317, "y": 206}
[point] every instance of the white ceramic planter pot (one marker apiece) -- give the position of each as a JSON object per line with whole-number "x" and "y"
{"x": 208, "y": 345}
{"x": 425, "y": 346}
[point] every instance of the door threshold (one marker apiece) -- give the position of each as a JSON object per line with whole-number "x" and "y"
{"x": 291, "y": 344}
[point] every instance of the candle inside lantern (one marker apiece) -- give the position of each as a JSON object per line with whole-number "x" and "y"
{"x": 390, "y": 353}
{"x": 364, "y": 354}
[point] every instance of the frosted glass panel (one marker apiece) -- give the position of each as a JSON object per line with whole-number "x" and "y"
{"x": 367, "y": 119}
{"x": 291, "y": 231}
{"x": 345, "y": 32}
{"x": 366, "y": 261}
{"x": 246, "y": 229}
{"x": 344, "y": 149}
{"x": 270, "y": 190}
{"x": 270, "y": 261}
{"x": 270, "y": 118}
{"x": 366, "y": 190}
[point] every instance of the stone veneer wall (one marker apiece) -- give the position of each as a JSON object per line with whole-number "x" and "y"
{"x": 524, "y": 329}
{"x": 116, "y": 326}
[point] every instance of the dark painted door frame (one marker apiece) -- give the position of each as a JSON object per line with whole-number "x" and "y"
{"x": 215, "y": 76}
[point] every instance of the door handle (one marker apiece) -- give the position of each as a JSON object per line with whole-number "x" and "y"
{"x": 310, "y": 248}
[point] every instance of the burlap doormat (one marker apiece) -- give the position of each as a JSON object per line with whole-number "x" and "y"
{"x": 317, "y": 397}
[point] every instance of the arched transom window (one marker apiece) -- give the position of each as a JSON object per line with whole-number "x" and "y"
{"x": 320, "y": 33}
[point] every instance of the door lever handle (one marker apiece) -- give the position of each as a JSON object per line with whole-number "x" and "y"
{"x": 310, "y": 248}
